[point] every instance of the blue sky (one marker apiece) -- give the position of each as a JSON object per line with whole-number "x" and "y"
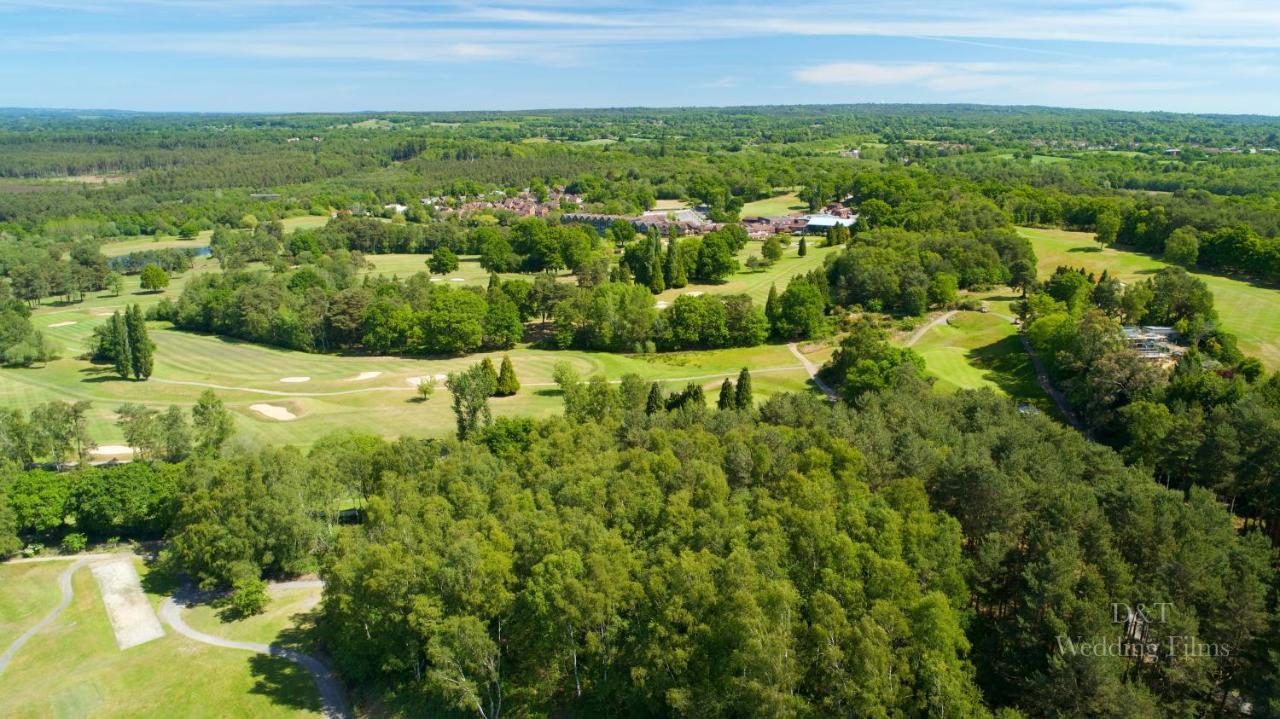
{"x": 334, "y": 55}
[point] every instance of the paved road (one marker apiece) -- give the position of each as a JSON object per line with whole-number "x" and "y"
{"x": 333, "y": 696}
{"x": 812, "y": 369}
{"x": 64, "y": 584}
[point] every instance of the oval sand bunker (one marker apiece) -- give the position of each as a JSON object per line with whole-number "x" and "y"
{"x": 295, "y": 379}
{"x": 273, "y": 411}
{"x": 365, "y": 375}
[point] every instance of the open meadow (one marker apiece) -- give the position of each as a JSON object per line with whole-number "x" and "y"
{"x": 785, "y": 204}
{"x": 75, "y": 668}
{"x": 1247, "y": 310}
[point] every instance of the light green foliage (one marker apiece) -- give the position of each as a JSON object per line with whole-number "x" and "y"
{"x": 154, "y": 278}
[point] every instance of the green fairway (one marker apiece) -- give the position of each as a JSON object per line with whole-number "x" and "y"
{"x": 1247, "y": 310}
{"x": 75, "y": 669}
{"x": 340, "y": 394}
{"x": 975, "y": 350}
{"x": 27, "y": 593}
{"x": 787, "y": 204}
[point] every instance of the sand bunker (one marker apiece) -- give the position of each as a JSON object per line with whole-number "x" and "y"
{"x": 415, "y": 381}
{"x": 62, "y": 324}
{"x": 456, "y": 279}
{"x": 112, "y": 450}
{"x": 695, "y": 293}
{"x": 660, "y": 304}
{"x": 435, "y": 279}
{"x": 295, "y": 379}
{"x": 132, "y": 617}
{"x": 441, "y": 377}
{"x": 364, "y": 376}
{"x": 273, "y": 411}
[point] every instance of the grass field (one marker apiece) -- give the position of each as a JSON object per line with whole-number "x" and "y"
{"x": 975, "y": 350}
{"x": 245, "y": 374}
{"x": 288, "y": 611}
{"x": 756, "y": 284}
{"x": 787, "y": 204}
{"x": 74, "y": 669}
{"x": 135, "y": 244}
{"x": 27, "y": 593}
{"x": 1247, "y": 310}
{"x": 334, "y": 398}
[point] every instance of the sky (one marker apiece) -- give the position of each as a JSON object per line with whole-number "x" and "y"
{"x": 1220, "y": 56}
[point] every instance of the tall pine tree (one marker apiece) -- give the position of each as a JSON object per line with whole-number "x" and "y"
{"x": 727, "y": 399}
{"x": 771, "y": 308}
{"x": 118, "y": 337}
{"x": 742, "y": 397}
{"x": 655, "y": 402}
{"x": 672, "y": 267}
{"x": 140, "y": 348}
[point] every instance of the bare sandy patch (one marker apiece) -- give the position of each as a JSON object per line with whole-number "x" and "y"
{"x": 364, "y": 376}
{"x": 132, "y": 617}
{"x": 295, "y": 380}
{"x": 273, "y": 411}
{"x": 695, "y": 293}
{"x": 660, "y": 304}
{"x": 435, "y": 279}
{"x": 456, "y": 279}
{"x": 113, "y": 450}
{"x": 68, "y": 323}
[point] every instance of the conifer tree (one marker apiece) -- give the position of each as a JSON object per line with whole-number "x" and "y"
{"x": 508, "y": 385}
{"x": 119, "y": 339}
{"x": 490, "y": 372}
{"x": 727, "y": 399}
{"x": 672, "y": 267}
{"x": 804, "y": 248}
{"x": 140, "y": 348}
{"x": 771, "y": 307}
{"x": 742, "y": 398}
{"x": 655, "y": 402}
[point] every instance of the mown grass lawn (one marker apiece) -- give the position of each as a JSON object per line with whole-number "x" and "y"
{"x": 777, "y": 206}
{"x": 27, "y": 593}
{"x": 1247, "y": 310}
{"x": 286, "y": 620}
{"x": 975, "y": 350}
{"x": 75, "y": 669}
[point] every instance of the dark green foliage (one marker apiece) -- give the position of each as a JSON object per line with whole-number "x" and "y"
{"x": 443, "y": 261}
{"x": 141, "y": 348}
{"x": 655, "y": 402}
{"x": 867, "y": 363}
{"x": 725, "y": 401}
{"x": 742, "y": 393}
{"x": 507, "y": 384}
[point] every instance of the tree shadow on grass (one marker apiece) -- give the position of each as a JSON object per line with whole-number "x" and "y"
{"x": 1009, "y": 368}
{"x": 283, "y": 682}
{"x": 1085, "y": 249}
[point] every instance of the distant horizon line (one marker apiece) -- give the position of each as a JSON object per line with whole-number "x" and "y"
{"x": 10, "y": 109}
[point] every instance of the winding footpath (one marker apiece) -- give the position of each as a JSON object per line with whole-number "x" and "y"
{"x": 921, "y": 330}
{"x": 64, "y": 585}
{"x": 333, "y": 697}
{"x": 812, "y": 369}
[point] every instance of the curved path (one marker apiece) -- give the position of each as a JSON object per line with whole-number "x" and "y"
{"x": 333, "y": 697}
{"x": 64, "y": 584}
{"x": 812, "y": 369}
{"x": 920, "y": 331}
